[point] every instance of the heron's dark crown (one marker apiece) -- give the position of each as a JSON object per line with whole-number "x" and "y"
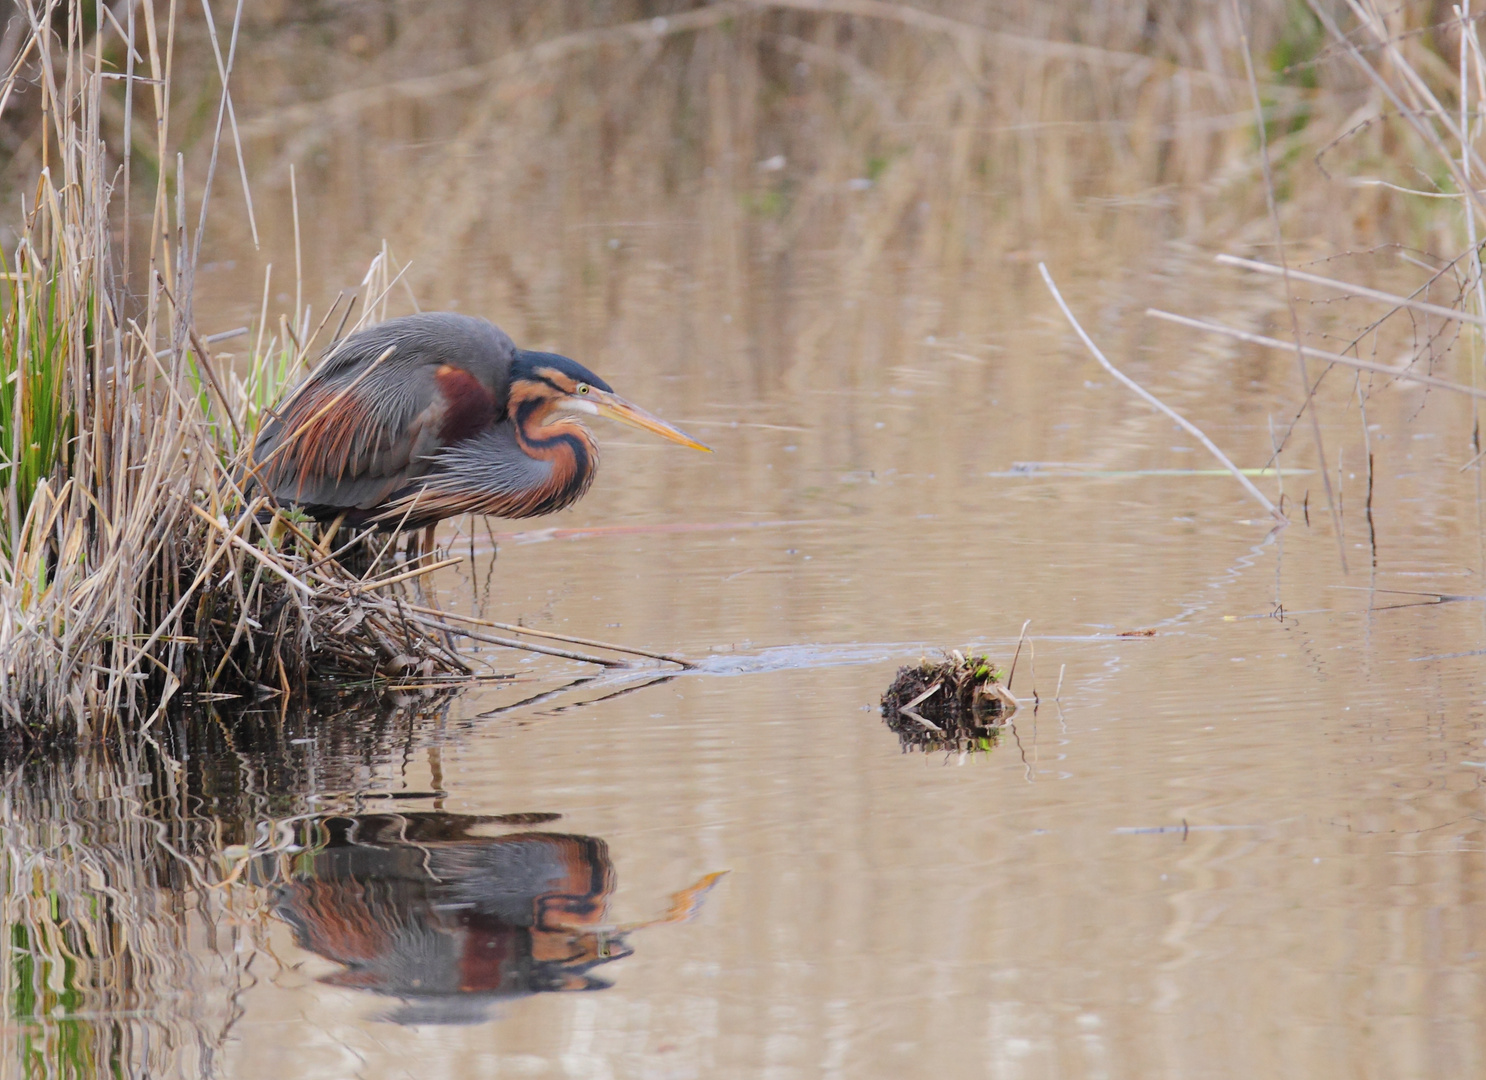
{"x": 527, "y": 365}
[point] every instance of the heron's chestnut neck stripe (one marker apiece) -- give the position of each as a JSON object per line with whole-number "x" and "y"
{"x": 566, "y": 444}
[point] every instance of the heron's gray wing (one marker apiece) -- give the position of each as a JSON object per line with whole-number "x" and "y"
{"x": 363, "y": 423}
{"x": 338, "y": 445}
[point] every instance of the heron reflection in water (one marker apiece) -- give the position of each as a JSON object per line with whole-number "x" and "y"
{"x": 428, "y": 416}
{"x": 413, "y": 906}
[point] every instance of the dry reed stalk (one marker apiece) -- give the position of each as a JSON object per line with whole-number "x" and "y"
{"x": 1020, "y": 638}
{"x": 1393, "y": 299}
{"x": 1400, "y": 372}
{"x": 548, "y": 634}
{"x": 1267, "y": 169}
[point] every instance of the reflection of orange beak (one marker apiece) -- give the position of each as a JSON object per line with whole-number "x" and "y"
{"x": 601, "y": 403}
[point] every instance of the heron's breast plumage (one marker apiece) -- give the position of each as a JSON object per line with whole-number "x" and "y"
{"x": 501, "y": 473}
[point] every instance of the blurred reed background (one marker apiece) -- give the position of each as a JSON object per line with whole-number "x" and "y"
{"x": 774, "y": 168}
{"x": 942, "y": 137}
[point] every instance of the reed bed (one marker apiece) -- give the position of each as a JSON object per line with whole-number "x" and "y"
{"x": 131, "y": 565}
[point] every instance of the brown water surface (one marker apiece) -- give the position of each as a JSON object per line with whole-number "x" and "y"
{"x": 1249, "y": 843}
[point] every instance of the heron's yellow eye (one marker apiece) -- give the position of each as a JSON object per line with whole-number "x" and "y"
{"x": 582, "y": 388}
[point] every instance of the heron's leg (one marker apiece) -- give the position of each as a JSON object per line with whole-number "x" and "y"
{"x": 430, "y": 597}
{"x": 327, "y": 536}
{"x": 423, "y": 538}
{"x": 412, "y": 556}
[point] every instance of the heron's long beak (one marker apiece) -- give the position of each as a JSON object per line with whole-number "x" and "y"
{"x": 614, "y": 407}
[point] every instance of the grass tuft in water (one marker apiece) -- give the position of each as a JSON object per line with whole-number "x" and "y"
{"x": 957, "y": 704}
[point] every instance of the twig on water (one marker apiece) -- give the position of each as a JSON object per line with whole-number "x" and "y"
{"x": 1186, "y": 424}
{"x": 417, "y": 616}
{"x": 549, "y": 635}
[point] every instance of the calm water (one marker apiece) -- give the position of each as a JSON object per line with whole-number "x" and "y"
{"x": 1247, "y": 844}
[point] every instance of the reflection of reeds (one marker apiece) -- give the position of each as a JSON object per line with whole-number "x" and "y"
{"x": 127, "y": 953}
{"x": 97, "y": 972}
{"x": 129, "y": 564}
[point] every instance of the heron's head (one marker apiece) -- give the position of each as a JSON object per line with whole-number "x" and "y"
{"x": 546, "y": 382}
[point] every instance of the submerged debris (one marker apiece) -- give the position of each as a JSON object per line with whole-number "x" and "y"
{"x": 955, "y": 704}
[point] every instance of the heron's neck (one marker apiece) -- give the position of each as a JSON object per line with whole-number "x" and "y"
{"x": 544, "y": 433}
{"x": 562, "y": 443}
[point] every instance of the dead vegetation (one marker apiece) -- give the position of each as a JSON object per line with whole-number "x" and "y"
{"x": 956, "y": 704}
{"x": 131, "y": 566}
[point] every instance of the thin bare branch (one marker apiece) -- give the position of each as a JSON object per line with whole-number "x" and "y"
{"x": 1187, "y": 425}
{"x": 1401, "y": 373}
{"x": 1356, "y": 290}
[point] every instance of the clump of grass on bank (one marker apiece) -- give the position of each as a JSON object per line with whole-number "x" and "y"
{"x": 33, "y": 411}
{"x": 131, "y": 567}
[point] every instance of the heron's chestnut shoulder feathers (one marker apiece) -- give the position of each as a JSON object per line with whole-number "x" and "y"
{"x": 469, "y": 407}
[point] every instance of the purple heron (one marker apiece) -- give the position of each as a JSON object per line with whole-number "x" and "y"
{"x": 428, "y": 416}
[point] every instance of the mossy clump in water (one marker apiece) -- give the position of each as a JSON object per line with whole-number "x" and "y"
{"x": 954, "y": 704}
